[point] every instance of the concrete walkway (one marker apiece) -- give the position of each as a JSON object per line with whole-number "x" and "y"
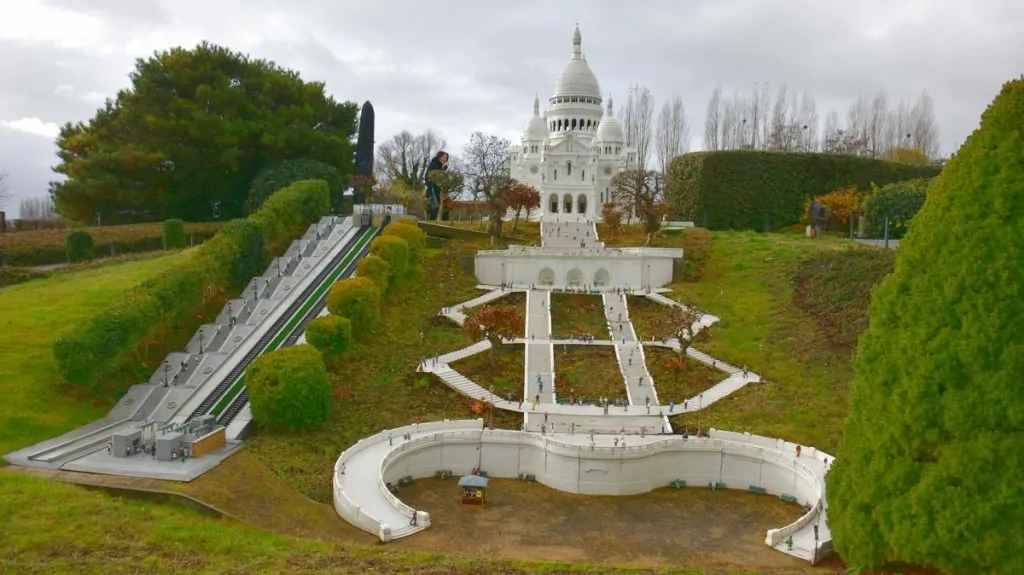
{"x": 539, "y": 379}
{"x": 630, "y": 354}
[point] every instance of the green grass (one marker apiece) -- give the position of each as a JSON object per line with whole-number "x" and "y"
{"x": 239, "y": 383}
{"x": 749, "y": 284}
{"x": 64, "y": 528}
{"x": 574, "y": 314}
{"x": 590, "y": 372}
{"x": 36, "y": 406}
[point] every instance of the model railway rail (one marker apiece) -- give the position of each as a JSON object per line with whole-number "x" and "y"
{"x": 227, "y": 415}
{"x": 232, "y": 384}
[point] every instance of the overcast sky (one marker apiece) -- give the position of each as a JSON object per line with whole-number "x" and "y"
{"x": 466, "y": 65}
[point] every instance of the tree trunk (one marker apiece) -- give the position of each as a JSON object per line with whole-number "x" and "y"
{"x": 494, "y": 354}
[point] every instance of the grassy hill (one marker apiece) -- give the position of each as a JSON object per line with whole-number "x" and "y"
{"x": 756, "y": 283}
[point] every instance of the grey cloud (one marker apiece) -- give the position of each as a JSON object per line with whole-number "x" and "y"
{"x": 491, "y": 59}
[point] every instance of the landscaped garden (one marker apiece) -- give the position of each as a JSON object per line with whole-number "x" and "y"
{"x": 575, "y": 315}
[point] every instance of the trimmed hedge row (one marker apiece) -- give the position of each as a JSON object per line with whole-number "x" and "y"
{"x": 106, "y": 346}
{"x": 748, "y": 189}
{"x": 49, "y": 246}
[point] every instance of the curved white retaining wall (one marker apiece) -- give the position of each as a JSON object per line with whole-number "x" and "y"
{"x": 569, "y": 464}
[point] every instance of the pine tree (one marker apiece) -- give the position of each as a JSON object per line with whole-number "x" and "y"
{"x": 931, "y": 467}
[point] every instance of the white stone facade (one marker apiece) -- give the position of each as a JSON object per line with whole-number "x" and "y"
{"x": 600, "y": 269}
{"x": 571, "y": 152}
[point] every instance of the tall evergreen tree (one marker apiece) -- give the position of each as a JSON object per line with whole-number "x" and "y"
{"x": 931, "y": 468}
{"x": 190, "y": 134}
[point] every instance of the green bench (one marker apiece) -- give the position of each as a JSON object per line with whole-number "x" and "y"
{"x": 756, "y": 489}
{"x": 677, "y": 484}
{"x": 716, "y": 485}
{"x": 787, "y": 498}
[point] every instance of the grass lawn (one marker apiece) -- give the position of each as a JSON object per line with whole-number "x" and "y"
{"x": 377, "y": 388}
{"x": 588, "y": 371}
{"x": 69, "y": 529}
{"x": 506, "y": 373}
{"x": 574, "y": 314}
{"x": 36, "y": 405}
{"x": 749, "y": 284}
{"x": 677, "y": 381}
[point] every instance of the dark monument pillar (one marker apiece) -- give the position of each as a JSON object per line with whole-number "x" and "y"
{"x": 364, "y": 153}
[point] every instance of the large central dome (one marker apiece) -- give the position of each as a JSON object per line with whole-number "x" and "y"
{"x": 577, "y": 79}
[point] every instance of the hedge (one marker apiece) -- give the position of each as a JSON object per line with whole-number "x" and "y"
{"x": 358, "y": 299}
{"x": 899, "y": 201}
{"x": 289, "y": 389}
{"x": 287, "y": 172}
{"x": 930, "y": 466}
{"x": 376, "y": 269}
{"x": 174, "y": 234}
{"x": 49, "y": 246}
{"x": 80, "y": 246}
{"x": 395, "y": 251}
{"x": 748, "y": 189}
{"x": 107, "y": 347}
{"x": 413, "y": 236}
{"x": 331, "y": 334}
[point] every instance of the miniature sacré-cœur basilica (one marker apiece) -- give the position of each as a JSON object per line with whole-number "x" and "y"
{"x": 571, "y": 152}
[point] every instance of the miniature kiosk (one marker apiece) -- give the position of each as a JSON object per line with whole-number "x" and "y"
{"x": 474, "y": 489}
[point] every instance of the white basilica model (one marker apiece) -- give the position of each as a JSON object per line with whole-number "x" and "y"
{"x": 571, "y": 152}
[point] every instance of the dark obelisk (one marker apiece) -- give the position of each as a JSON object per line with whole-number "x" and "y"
{"x": 364, "y": 150}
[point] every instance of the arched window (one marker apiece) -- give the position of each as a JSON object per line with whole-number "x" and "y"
{"x": 583, "y": 175}
{"x": 581, "y": 204}
{"x": 567, "y": 204}
{"x": 553, "y": 204}
{"x": 568, "y": 168}
{"x": 556, "y": 175}
{"x": 574, "y": 123}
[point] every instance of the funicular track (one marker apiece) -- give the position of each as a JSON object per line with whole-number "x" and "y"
{"x": 290, "y": 336}
{"x": 231, "y": 387}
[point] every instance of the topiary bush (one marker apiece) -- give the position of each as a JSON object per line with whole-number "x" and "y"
{"x": 331, "y": 334}
{"x": 395, "y": 251}
{"x": 376, "y": 269}
{"x": 287, "y": 172}
{"x": 174, "y": 234}
{"x": 752, "y": 189}
{"x": 289, "y": 389}
{"x": 413, "y": 236}
{"x": 358, "y": 299}
{"x": 931, "y": 463}
{"x": 80, "y": 246}
{"x": 900, "y": 201}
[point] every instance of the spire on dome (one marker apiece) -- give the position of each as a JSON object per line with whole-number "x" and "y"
{"x": 536, "y": 105}
{"x": 610, "y": 113}
{"x": 577, "y": 42}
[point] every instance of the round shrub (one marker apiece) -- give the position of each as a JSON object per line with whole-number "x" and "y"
{"x": 412, "y": 234}
{"x": 287, "y": 172}
{"x": 930, "y": 465}
{"x": 174, "y": 234}
{"x": 331, "y": 334}
{"x": 289, "y": 389}
{"x": 395, "y": 251}
{"x": 80, "y": 246}
{"x": 358, "y": 299}
{"x": 900, "y": 201}
{"x": 376, "y": 269}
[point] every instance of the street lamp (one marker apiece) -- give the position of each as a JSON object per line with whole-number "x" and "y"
{"x": 201, "y": 337}
{"x": 277, "y": 264}
{"x": 700, "y": 408}
{"x": 167, "y": 368}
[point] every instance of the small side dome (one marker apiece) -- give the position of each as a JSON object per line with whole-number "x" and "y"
{"x": 610, "y": 129}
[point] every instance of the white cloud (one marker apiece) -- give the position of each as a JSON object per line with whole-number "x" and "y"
{"x": 94, "y": 97}
{"x": 30, "y": 22}
{"x": 33, "y": 126}
{"x": 65, "y": 90}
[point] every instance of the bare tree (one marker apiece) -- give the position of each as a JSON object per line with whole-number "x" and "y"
{"x": 713, "y": 120}
{"x": 779, "y": 120}
{"x": 829, "y": 131}
{"x": 857, "y": 119}
{"x": 878, "y": 119}
{"x": 404, "y": 157}
{"x": 923, "y": 129}
{"x": 5, "y": 187}
{"x": 636, "y": 190}
{"x": 808, "y": 120}
{"x": 672, "y": 134}
{"x": 681, "y": 323}
{"x": 40, "y": 208}
{"x": 638, "y": 122}
{"x": 485, "y": 167}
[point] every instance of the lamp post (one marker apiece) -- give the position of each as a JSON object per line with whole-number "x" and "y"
{"x": 700, "y": 408}
{"x": 277, "y": 264}
{"x": 201, "y": 338}
{"x": 167, "y": 368}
